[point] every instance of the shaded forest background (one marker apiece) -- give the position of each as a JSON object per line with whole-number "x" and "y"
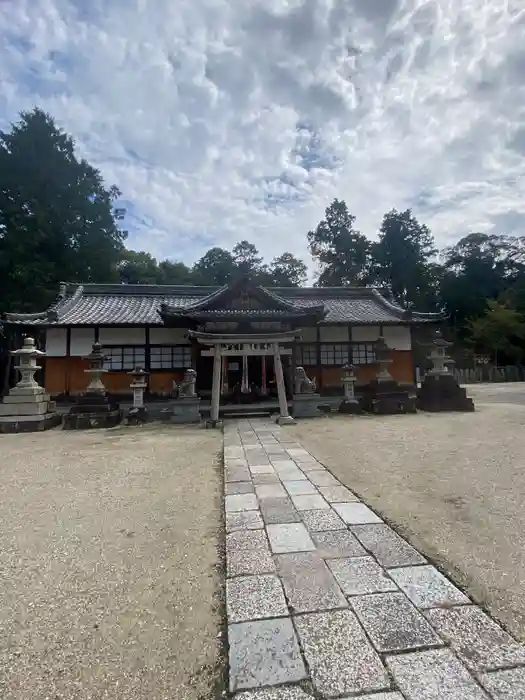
{"x": 59, "y": 222}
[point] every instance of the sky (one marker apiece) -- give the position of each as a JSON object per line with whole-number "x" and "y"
{"x": 222, "y": 120}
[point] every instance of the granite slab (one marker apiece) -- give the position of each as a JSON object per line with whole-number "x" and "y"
{"x": 322, "y": 477}
{"x": 480, "y": 643}
{"x": 309, "y": 502}
{"x": 337, "y": 494}
{"x": 360, "y": 575}
{"x": 355, "y": 513}
{"x": 322, "y": 520}
{"x": 387, "y": 546}
{"x": 289, "y": 537}
{"x": 236, "y": 487}
{"x": 393, "y": 623}
{"x": 254, "y": 598}
{"x": 505, "y": 685}
{"x": 264, "y": 653}
{"x": 435, "y": 674}
{"x": 308, "y": 583}
{"x": 426, "y": 587}
{"x": 245, "y": 520}
{"x": 300, "y": 488}
{"x": 340, "y": 658}
{"x": 337, "y": 543}
{"x": 240, "y": 502}
{"x": 246, "y": 562}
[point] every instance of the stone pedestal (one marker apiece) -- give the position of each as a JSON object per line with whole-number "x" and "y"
{"x": 93, "y": 410}
{"x": 138, "y": 414}
{"x": 441, "y": 392}
{"x": 349, "y": 405}
{"x": 185, "y": 410}
{"x": 384, "y": 397}
{"x": 27, "y": 407}
{"x": 307, "y": 406}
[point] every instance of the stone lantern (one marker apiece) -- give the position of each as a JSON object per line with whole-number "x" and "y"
{"x": 94, "y": 408}
{"x": 96, "y": 359}
{"x": 438, "y": 355}
{"x": 349, "y": 404}
{"x": 27, "y": 407}
{"x": 139, "y": 382}
{"x": 383, "y": 359}
{"x": 439, "y": 389}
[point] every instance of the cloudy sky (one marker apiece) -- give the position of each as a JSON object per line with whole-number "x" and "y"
{"x": 228, "y": 119}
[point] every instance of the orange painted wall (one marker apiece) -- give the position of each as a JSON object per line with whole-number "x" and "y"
{"x": 66, "y": 375}
{"x": 401, "y": 369}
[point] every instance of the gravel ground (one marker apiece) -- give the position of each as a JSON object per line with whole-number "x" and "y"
{"x": 453, "y": 484}
{"x": 109, "y": 578}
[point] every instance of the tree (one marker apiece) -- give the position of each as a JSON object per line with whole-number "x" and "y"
{"x": 138, "y": 267}
{"x": 500, "y": 331}
{"x": 56, "y": 215}
{"x": 342, "y": 252}
{"x": 247, "y": 259}
{"x": 287, "y": 271}
{"x": 480, "y": 267}
{"x": 174, "y": 273}
{"x": 56, "y": 219}
{"x": 217, "y": 266}
{"x": 403, "y": 261}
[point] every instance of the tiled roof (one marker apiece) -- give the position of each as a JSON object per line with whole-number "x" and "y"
{"x": 95, "y": 304}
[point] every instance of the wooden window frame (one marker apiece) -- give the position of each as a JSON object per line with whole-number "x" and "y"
{"x": 173, "y": 366}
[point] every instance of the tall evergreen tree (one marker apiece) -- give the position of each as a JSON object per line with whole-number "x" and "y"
{"x": 342, "y": 252}
{"x": 56, "y": 215}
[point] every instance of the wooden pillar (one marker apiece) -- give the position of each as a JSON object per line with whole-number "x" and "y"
{"x": 224, "y": 386}
{"x": 264, "y": 388}
{"x": 216, "y": 384}
{"x": 284, "y": 416}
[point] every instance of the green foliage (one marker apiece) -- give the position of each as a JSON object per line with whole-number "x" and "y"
{"x": 288, "y": 271}
{"x": 499, "y": 330}
{"x": 342, "y": 252}
{"x": 217, "y": 266}
{"x": 56, "y": 216}
{"x": 403, "y": 261}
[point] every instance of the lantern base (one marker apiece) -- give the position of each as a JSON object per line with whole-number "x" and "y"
{"x": 441, "y": 392}
{"x": 29, "y": 424}
{"x": 387, "y": 397}
{"x": 350, "y": 407}
{"x": 93, "y": 410}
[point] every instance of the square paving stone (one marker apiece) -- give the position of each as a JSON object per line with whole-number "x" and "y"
{"x": 337, "y": 494}
{"x": 254, "y": 598}
{"x": 479, "y": 642}
{"x": 270, "y": 491}
{"x": 282, "y": 463}
{"x": 427, "y": 587}
{"x": 247, "y": 562}
{"x": 360, "y": 575}
{"x": 245, "y": 520}
{"x": 235, "y": 487}
{"x": 264, "y": 653}
{"x": 340, "y": 658}
{"x": 380, "y": 696}
{"x": 387, "y": 546}
{"x": 318, "y": 520}
{"x": 322, "y": 477}
{"x": 279, "y": 510}
{"x": 310, "y": 466}
{"x": 337, "y": 543}
{"x": 289, "y": 692}
{"x": 300, "y": 488}
{"x": 298, "y": 452}
{"x": 505, "y": 685}
{"x": 237, "y": 474}
{"x": 433, "y": 675}
{"x": 262, "y": 469}
{"x": 310, "y": 502}
{"x": 290, "y": 474}
{"x": 241, "y": 501}
{"x": 289, "y": 537}
{"x": 392, "y": 622}
{"x": 265, "y": 479}
{"x": 235, "y": 463}
{"x": 308, "y": 583}
{"x": 246, "y": 540}
{"x": 355, "y": 513}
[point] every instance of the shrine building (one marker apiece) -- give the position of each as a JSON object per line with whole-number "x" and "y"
{"x": 231, "y": 336}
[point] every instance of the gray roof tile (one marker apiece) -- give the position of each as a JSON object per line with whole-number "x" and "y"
{"x": 95, "y": 304}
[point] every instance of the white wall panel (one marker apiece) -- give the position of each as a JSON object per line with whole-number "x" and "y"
{"x": 333, "y": 334}
{"x": 397, "y": 337}
{"x": 56, "y": 342}
{"x": 82, "y": 340}
{"x": 364, "y": 334}
{"x": 308, "y": 334}
{"x": 168, "y": 336}
{"x": 122, "y": 336}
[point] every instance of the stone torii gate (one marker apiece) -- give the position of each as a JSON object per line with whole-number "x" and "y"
{"x": 243, "y": 345}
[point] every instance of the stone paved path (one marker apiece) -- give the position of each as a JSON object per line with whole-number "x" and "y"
{"x": 324, "y": 600}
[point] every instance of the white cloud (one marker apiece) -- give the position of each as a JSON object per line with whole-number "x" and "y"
{"x": 229, "y": 119}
